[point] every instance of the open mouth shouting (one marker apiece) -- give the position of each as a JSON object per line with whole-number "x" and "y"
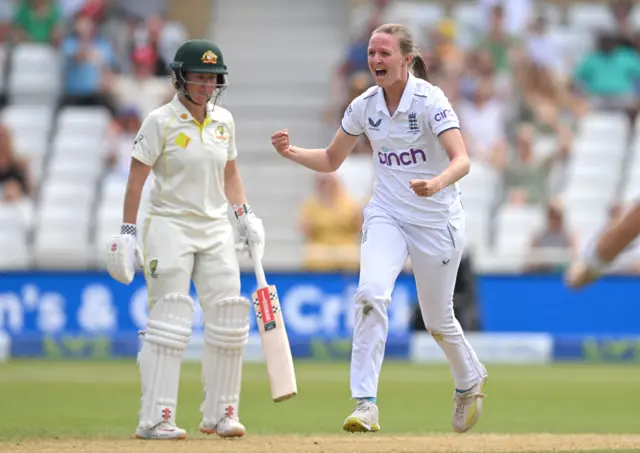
{"x": 380, "y": 73}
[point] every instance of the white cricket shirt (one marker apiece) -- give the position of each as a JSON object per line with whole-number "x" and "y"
{"x": 188, "y": 160}
{"x": 405, "y": 147}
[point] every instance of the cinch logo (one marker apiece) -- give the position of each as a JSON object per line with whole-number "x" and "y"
{"x": 411, "y": 157}
{"x": 444, "y": 114}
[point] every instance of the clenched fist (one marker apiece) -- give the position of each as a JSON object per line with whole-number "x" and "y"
{"x": 280, "y": 141}
{"x": 425, "y": 187}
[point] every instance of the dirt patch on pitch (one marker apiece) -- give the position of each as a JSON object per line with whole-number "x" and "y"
{"x": 356, "y": 443}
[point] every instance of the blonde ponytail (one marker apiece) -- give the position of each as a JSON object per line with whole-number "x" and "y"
{"x": 419, "y": 66}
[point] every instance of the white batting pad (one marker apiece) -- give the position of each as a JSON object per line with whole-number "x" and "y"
{"x": 165, "y": 340}
{"x": 120, "y": 258}
{"x": 226, "y": 327}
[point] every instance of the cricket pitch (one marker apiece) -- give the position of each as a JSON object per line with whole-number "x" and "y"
{"x": 356, "y": 443}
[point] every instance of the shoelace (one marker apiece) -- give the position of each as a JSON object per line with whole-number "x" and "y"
{"x": 164, "y": 426}
{"x": 364, "y": 406}
{"x": 464, "y": 400}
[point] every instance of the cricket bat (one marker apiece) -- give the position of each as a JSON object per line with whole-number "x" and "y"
{"x": 273, "y": 334}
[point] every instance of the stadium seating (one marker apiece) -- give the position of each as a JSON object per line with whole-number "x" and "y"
{"x": 35, "y": 76}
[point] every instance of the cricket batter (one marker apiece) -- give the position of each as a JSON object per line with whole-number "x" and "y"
{"x": 604, "y": 250}
{"x": 189, "y": 144}
{"x": 415, "y": 211}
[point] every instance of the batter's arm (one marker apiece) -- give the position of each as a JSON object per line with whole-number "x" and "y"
{"x": 233, "y": 185}
{"x": 138, "y": 174}
{"x": 249, "y": 226}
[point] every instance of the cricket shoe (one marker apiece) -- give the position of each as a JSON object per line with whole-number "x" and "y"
{"x": 161, "y": 431}
{"x": 467, "y": 407}
{"x": 227, "y": 427}
{"x": 364, "y": 419}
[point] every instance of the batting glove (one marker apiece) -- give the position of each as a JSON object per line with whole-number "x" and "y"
{"x": 123, "y": 254}
{"x": 250, "y": 231}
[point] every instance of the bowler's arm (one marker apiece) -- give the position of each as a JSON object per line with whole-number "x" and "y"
{"x": 619, "y": 236}
{"x": 606, "y": 249}
{"x": 459, "y": 163}
{"x": 325, "y": 160}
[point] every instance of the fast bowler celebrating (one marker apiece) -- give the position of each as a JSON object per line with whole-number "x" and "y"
{"x": 189, "y": 144}
{"x": 415, "y": 212}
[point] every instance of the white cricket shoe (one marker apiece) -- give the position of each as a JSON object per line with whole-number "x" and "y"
{"x": 161, "y": 431}
{"x": 364, "y": 419}
{"x": 227, "y": 427}
{"x": 467, "y": 407}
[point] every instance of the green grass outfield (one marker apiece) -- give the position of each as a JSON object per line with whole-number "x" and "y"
{"x": 532, "y": 408}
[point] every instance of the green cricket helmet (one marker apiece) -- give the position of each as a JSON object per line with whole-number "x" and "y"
{"x": 199, "y": 56}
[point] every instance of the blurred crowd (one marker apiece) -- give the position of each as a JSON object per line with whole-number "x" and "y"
{"x": 513, "y": 90}
{"x": 114, "y": 53}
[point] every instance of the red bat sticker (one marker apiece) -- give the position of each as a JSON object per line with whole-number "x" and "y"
{"x": 266, "y": 309}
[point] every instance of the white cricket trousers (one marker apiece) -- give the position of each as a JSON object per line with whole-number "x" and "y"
{"x": 179, "y": 250}
{"x": 435, "y": 256}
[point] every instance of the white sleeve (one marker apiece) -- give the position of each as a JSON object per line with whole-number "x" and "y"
{"x": 148, "y": 144}
{"x": 232, "y": 152}
{"x": 352, "y": 121}
{"x": 440, "y": 114}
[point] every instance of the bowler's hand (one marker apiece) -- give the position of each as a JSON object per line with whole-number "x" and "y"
{"x": 425, "y": 187}
{"x": 280, "y": 141}
{"x": 580, "y": 275}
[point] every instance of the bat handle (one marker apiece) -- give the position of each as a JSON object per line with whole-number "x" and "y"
{"x": 259, "y": 270}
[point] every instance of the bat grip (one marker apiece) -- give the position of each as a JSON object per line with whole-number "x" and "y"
{"x": 259, "y": 270}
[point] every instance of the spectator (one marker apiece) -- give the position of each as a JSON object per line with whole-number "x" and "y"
{"x": 362, "y": 14}
{"x": 330, "y": 222}
{"x": 622, "y": 14}
{"x": 555, "y": 246}
{"x": 443, "y": 45}
{"x": 480, "y": 65}
{"x": 483, "y": 122}
{"x": 89, "y": 67}
{"x": 527, "y": 176}
{"x": 147, "y": 35}
{"x": 608, "y": 76}
{"x": 142, "y": 88}
{"x": 498, "y": 41}
{"x": 355, "y": 62}
{"x": 7, "y": 14}
{"x": 94, "y": 9}
{"x": 357, "y": 84}
{"x": 445, "y": 59}
{"x": 122, "y": 135}
{"x": 15, "y": 184}
{"x": 38, "y": 21}
{"x": 515, "y": 14}
{"x": 540, "y": 47}
{"x": 544, "y": 99}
